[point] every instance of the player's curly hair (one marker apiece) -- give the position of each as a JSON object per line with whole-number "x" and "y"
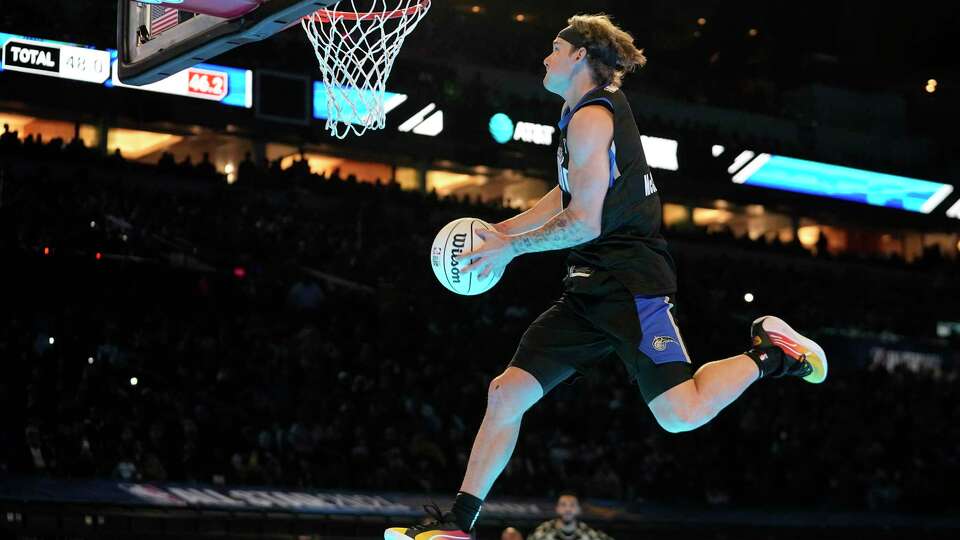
{"x": 611, "y": 53}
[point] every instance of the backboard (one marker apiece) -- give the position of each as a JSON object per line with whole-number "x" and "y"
{"x": 157, "y": 38}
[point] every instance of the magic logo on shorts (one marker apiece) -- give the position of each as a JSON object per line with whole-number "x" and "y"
{"x": 658, "y": 330}
{"x": 660, "y": 342}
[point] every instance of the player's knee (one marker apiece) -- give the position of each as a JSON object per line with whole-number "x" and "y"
{"x": 680, "y": 419}
{"x": 507, "y": 399}
{"x": 681, "y": 408}
{"x": 675, "y": 424}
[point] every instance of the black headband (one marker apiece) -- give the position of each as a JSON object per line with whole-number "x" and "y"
{"x": 573, "y": 36}
{"x": 607, "y": 56}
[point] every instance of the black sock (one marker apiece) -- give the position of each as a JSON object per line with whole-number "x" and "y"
{"x": 466, "y": 510}
{"x": 768, "y": 359}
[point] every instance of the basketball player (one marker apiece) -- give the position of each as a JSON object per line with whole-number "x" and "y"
{"x": 620, "y": 284}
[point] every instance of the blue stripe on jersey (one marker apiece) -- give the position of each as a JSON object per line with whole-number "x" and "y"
{"x": 612, "y": 153}
{"x": 567, "y": 116}
{"x": 565, "y": 120}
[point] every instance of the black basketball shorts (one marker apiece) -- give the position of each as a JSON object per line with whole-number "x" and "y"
{"x": 595, "y": 317}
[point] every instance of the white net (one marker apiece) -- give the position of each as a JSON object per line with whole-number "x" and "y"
{"x": 356, "y": 42}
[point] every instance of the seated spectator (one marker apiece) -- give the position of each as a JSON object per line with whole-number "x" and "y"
{"x": 567, "y": 525}
{"x": 511, "y": 534}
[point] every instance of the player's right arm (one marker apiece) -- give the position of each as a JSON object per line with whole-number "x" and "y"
{"x": 548, "y": 206}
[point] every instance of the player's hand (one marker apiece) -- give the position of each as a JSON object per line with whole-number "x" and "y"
{"x": 492, "y": 257}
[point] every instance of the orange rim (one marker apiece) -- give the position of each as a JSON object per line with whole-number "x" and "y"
{"x": 325, "y": 15}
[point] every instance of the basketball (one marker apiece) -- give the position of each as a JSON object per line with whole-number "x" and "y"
{"x": 454, "y": 238}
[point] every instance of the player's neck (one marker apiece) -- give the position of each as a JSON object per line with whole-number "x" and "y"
{"x": 578, "y": 88}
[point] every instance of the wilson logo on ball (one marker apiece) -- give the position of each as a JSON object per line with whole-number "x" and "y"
{"x": 446, "y": 257}
{"x": 459, "y": 240}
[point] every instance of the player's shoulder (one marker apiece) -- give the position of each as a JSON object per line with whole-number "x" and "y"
{"x": 591, "y": 118}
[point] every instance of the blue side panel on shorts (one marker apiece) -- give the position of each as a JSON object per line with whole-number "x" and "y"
{"x": 661, "y": 339}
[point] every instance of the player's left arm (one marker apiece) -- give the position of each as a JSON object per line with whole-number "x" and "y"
{"x": 589, "y": 136}
{"x": 588, "y": 140}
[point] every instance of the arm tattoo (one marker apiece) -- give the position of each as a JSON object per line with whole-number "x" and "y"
{"x": 560, "y": 232}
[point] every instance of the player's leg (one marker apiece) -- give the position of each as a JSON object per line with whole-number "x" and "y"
{"x": 697, "y": 400}
{"x": 548, "y": 351}
{"x": 510, "y": 396}
{"x": 777, "y": 351}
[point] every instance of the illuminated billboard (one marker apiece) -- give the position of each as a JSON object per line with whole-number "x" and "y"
{"x": 226, "y": 85}
{"x": 53, "y": 59}
{"x": 660, "y": 153}
{"x": 223, "y": 84}
{"x": 503, "y": 130}
{"x": 834, "y": 181}
{"x": 350, "y": 104}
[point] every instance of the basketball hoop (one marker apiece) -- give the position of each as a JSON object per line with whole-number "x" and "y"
{"x": 356, "y": 49}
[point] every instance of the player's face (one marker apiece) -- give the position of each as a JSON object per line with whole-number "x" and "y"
{"x": 568, "y": 508}
{"x": 559, "y": 64}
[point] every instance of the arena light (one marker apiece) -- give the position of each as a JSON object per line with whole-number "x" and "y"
{"x": 845, "y": 183}
{"x": 135, "y": 143}
{"x": 432, "y": 126}
{"x": 660, "y": 153}
{"x": 954, "y": 211}
{"x": 90, "y": 360}
{"x": 748, "y": 298}
{"x": 422, "y": 124}
{"x": 231, "y": 171}
{"x": 51, "y": 341}
{"x": 739, "y": 161}
{"x": 808, "y": 235}
{"x": 134, "y": 381}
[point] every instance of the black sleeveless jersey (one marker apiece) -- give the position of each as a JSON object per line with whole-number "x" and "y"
{"x": 630, "y": 245}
